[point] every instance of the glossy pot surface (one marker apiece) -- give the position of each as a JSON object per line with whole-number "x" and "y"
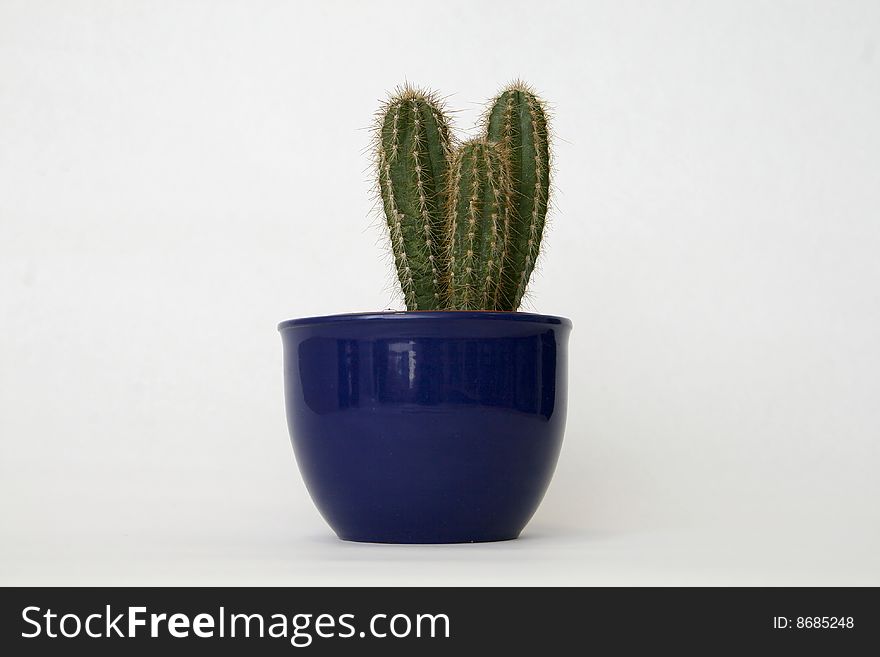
{"x": 426, "y": 427}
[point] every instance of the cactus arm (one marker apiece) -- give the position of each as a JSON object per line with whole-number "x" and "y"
{"x": 479, "y": 211}
{"x": 413, "y": 144}
{"x": 517, "y": 121}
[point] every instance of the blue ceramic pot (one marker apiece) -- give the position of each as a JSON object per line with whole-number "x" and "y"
{"x": 426, "y": 427}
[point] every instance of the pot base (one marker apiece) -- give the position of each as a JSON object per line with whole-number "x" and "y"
{"x": 436, "y": 540}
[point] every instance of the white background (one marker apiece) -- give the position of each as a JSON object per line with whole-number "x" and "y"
{"x": 177, "y": 177}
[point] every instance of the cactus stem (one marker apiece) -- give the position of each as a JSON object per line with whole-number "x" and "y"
{"x": 516, "y": 120}
{"x": 478, "y": 202}
{"x": 412, "y": 147}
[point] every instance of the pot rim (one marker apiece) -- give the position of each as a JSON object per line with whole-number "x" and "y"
{"x": 410, "y": 315}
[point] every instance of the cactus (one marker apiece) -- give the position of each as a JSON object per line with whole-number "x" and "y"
{"x": 517, "y": 121}
{"x": 413, "y": 152}
{"x": 480, "y": 206}
{"x": 465, "y": 223}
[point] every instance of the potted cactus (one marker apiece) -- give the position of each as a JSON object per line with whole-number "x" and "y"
{"x": 443, "y": 423}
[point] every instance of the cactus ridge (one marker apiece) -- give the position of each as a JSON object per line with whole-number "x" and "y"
{"x": 465, "y": 221}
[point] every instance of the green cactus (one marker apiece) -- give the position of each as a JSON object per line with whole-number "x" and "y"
{"x": 465, "y": 223}
{"x": 478, "y": 226}
{"x": 517, "y": 121}
{"x": 413, "y": 153}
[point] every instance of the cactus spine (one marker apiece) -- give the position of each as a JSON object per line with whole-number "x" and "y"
{"x": 517, "y": 121}
{"x": 478, "y": 226}
{"x": 465, "y": 223}
{"x": 413, "y": 150}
